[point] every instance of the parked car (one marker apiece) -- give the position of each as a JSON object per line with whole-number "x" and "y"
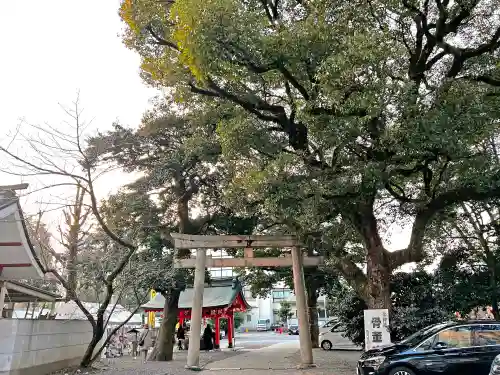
{"x": 327, "y": 326}
{"x": 452, "y": 348}
{"x": 293, "y": 330}
{"x": 334, "y": 338}
{"x": 275, "y": 326}
{"x": 263, "y": 325}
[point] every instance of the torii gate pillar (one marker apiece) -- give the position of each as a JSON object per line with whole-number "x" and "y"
{"x": 300, "y": 295}
{"x": 296, "y": 261}
{"x": 193, "y": 357}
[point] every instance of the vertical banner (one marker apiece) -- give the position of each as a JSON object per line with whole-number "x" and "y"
{"x": 377, "y": 331}
{"x": 152, "y": 314}
{"x": 151, "y": 319}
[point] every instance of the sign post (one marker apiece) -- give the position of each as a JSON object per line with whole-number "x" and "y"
{"x": 377, "y": 332}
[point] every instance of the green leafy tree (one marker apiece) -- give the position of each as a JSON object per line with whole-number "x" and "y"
{"x": 285, "y": 311}
{"x": 239, "y": 318}
{"x": 341, "y": 107}
{"x": 416, "y": 303}
{"x": 179, "y": 159}
{"x": 468, "y": 241}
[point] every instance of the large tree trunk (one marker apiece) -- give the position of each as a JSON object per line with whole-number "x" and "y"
{"x": 164, "y": 347}
{"x": 71, "y": 266}
{"x": 378, "y": 268}
{"x": 493, "y": 284}
{"x": 97, "y": 334}
{"x": 312, "y": 304}
{"x": 378, "y": 275}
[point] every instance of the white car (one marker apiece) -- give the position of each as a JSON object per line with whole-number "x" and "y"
{"x": 334, "y": 338}
{"x": 326, "y": 327}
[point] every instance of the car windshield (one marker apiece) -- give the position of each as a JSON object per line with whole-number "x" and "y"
{"x": 294, "y": 327}
{"x": 417, "y": 337}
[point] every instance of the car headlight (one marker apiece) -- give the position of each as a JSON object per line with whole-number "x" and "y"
{"x": 321, "y": 334}
{"x": 495, "y": 366}
{"x": 374, "y": 362}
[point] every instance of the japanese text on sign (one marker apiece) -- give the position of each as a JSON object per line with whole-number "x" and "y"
{"x": 377, "y": 331}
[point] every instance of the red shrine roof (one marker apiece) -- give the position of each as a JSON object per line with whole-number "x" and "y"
{"x": 219, "y": 295}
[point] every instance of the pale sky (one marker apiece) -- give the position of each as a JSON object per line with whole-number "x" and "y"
{"x": 54, "y": 48}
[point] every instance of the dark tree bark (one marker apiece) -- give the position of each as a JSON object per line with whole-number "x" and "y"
{"x": 185, "y": 191}
{"x": 98, "y": 333}
{"x": 490, "y": 259}
{"x": 378, "y": 274}
{"x": 312, "y": 304}
{"x": 164, "y": 352}
{"x": 378, "y": 266}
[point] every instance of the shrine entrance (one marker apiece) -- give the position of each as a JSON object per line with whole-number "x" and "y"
{"x": 221, "y": 300}
{"x": 296, "y": 260}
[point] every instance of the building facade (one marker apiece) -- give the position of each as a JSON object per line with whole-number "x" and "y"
{"x": 266, "y": 309}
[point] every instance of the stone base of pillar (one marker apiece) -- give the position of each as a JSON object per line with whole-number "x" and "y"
{"x": 306, "y": 366}
{"x": 193, "y": 368}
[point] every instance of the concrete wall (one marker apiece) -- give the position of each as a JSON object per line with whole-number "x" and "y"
{"x": 38, "y": 347}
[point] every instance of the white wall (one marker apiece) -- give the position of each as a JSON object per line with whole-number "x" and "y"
{"x": 41, "y": 346}
{"x": 254, "y": 313}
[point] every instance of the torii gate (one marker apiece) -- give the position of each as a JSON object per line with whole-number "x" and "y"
{"x": 296, "y": 261}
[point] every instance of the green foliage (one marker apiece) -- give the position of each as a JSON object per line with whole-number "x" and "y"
{"x": 416, "y": 303}
{"x": 285, "y": 311}
{"x": 239, "y": 319}
{"x": 341, "y": 108}
{"x": 346, "y": 306}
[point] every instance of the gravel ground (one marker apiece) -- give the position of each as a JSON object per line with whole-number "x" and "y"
{"x": 248, "y": 362}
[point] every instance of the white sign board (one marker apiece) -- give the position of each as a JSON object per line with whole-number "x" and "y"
{"x": 377, "y": 331}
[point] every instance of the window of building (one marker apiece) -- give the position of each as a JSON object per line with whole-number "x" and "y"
{"x": 321, "y": 313}
{"x": 249, "y": 318}
{"x": 281, "y": 294}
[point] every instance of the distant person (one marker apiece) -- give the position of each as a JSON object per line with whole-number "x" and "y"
{"x": 181, "y": 336}
{"x": 133, "y": 339}
{"x": 208, "y": 337}
{"x": 145, "y": 341}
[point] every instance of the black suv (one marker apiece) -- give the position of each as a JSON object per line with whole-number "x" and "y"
{"x": 453, "y": 348}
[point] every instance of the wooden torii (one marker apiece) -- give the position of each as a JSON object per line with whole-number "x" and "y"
{"x": 296, "y": 260}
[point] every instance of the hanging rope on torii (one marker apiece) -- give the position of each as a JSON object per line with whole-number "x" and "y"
{"x": 296, "y": 260}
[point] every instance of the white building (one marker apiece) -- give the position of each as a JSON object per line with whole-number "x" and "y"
{"x": 266, "y": 308}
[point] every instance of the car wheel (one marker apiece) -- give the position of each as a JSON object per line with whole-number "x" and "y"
{"x": 326, "y": 345}
{"x": 401, "y": 371}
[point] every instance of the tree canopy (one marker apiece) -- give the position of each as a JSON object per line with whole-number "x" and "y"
{"x": 342, "y": 106}
{"x": 326, "y": 119}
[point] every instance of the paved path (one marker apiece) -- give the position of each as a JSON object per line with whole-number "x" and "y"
{"x": 256, "y": 340}
{"x": 280, "y": 358}
{"x": 277, "y": 356}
